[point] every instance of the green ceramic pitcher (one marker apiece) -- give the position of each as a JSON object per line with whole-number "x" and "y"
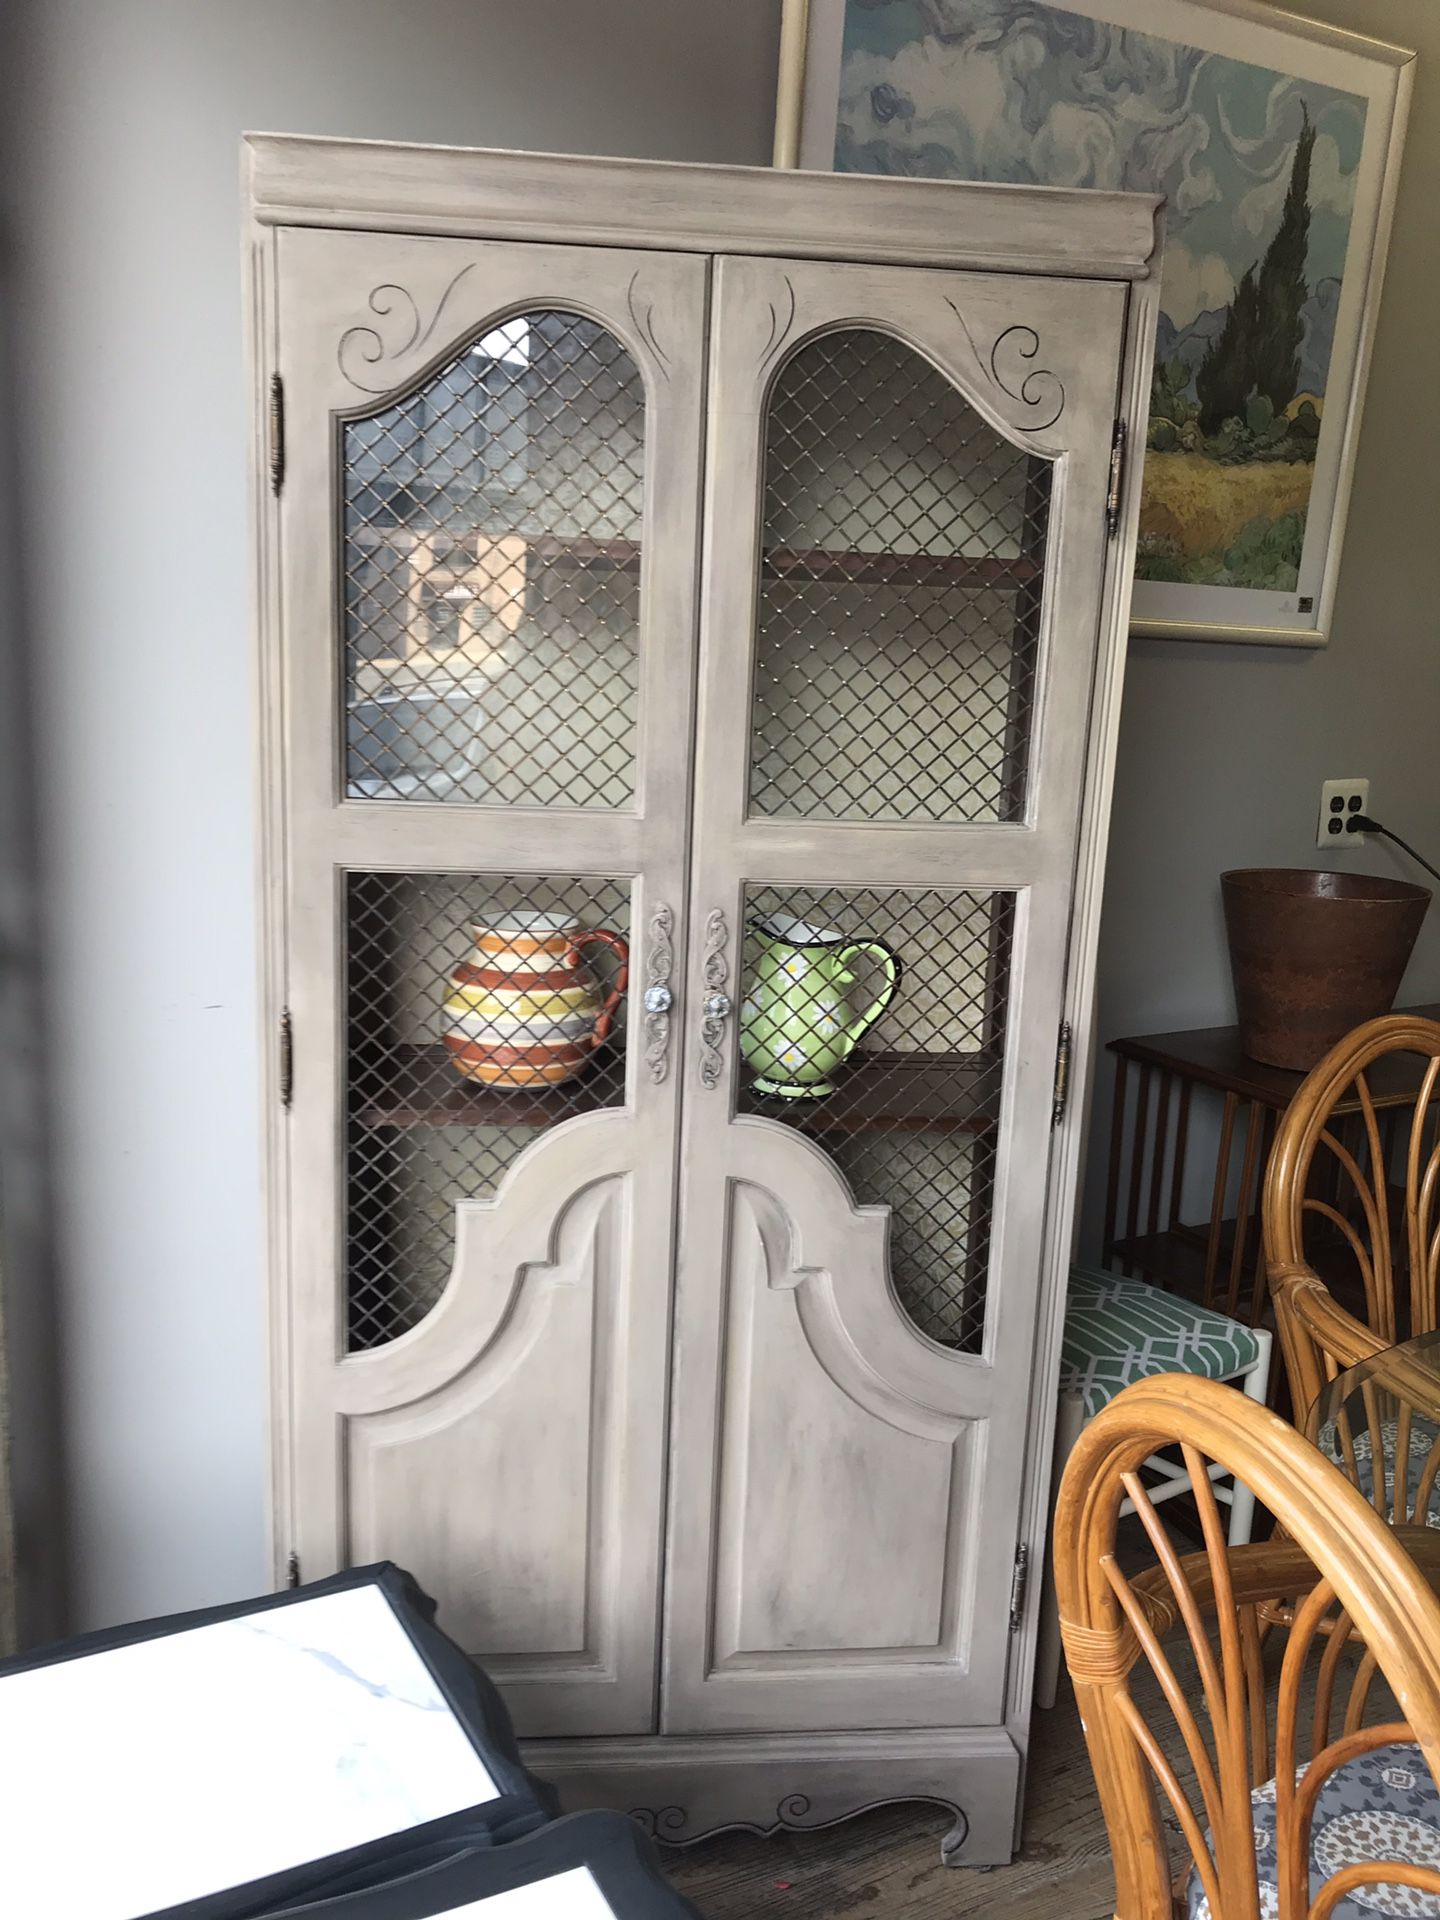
{"x": 797, "y": 1025}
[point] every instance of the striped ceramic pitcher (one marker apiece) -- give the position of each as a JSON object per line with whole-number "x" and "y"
{"x": 527, "y": 1010}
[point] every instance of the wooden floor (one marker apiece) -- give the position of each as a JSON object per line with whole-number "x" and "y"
{"x": 887, "y": 1863}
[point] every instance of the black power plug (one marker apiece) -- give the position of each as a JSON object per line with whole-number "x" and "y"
{"x": 1364, "y": 823}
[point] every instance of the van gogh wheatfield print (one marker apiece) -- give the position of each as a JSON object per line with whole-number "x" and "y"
{"x": 1277, "y": 174}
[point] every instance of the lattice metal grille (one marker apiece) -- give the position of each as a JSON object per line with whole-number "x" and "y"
{"x": 492, "y": 560}
{"x": 421, "y": 1134}
{"x": 874, "y": 1021}
{"x": 904, "y": 553}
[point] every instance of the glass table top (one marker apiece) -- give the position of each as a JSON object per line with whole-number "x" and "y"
{"x": 1380, "y": 1412}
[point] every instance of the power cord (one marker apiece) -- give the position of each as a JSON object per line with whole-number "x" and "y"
{"x": 1363, "y": 823}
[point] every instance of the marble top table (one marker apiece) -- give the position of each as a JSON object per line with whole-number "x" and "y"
{"x": 174, "y": 1766}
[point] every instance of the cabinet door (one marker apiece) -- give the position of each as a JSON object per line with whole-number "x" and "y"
{"x": 905, "y": 539}
{"x": 487, "y": 537}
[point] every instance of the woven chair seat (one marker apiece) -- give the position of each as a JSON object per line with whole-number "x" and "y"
{"x": 1382, "y": 1807}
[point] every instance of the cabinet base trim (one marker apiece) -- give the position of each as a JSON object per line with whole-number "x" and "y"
{"x": 684, "y": 1789}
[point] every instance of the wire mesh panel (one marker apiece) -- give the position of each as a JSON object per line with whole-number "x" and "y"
{"x": 492, "y": 524}
{"x": 899, "y": 609}
{"x": 873, "y": 1020}
{"x": 480, "y": 1011}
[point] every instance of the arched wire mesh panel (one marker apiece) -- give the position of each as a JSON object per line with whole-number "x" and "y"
{"x": 873, "y": 1021}
{"x": 904, "y": 542}
{"x": 492, "y": 527}
{"x": 481, "y": 1010}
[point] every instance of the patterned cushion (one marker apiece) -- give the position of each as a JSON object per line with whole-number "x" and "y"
{"x": 1422, "y": 1440}
{"x": 1119, "y": 1330}
{"x": 1381, "y": 1807}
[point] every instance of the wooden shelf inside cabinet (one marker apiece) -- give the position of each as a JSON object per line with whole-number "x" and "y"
{"x": 618, "y": 556}
{"x": 779, "y": 563}
{"x": 900, "y": 569}
{"x": 878, "y": 1093}
{"x": 433, "y": 1094}
{"x": 895, "y": 1092}
{"x": 576, "y": 550}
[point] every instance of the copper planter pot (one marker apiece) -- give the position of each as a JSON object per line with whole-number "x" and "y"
{"x": 1314, "y": 954}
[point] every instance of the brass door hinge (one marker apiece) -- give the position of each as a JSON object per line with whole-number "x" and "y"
{"x": 1019, "y": 1582}
{"x": 292, "y": 1571}
{"x": 1117, "y": 479}
{"x": 287, "y": 1058}
{"x": 277, "y": 433}
{"x": 1062, "y": 1075}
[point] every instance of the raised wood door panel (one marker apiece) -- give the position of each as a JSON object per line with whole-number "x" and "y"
{"x": 488, "y": 536}
{"x": 904, "y": 549}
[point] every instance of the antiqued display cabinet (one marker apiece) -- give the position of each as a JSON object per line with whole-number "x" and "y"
{"x": 691, "y": 613}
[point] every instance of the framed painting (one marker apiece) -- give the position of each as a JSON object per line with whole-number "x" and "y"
{"x": 1276, "y": 142}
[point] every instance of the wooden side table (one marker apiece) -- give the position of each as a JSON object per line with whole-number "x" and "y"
{"x": 1221, "y": 1261}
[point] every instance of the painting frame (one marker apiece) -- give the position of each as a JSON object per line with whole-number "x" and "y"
{"x": 1264, "y": 38}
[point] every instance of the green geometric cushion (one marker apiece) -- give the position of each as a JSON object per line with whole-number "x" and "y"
{"x": 1119, "y": 1330}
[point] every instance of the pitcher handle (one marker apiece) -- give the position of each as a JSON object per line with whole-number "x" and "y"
{"x": 890, "y": 965}
{"x": 587, "y": 936}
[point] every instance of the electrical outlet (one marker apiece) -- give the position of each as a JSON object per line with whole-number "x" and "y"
{"x": 1339, "y": 799}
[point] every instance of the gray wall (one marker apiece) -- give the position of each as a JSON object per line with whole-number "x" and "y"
{"x": 125, "y": 231}
{"x": 127, "y": 251}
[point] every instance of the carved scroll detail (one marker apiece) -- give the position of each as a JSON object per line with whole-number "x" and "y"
{"x": 794, "y": 1810}
{"x": 714, "y": 974}
{"x": 401, "y": 332}
{"x": 642, "y": 312}
{"x": 1040, "y": 391}
{"x": 658, "y": 999}
{"x": 661, "y": 1823}
{"x": 782, "y": 319}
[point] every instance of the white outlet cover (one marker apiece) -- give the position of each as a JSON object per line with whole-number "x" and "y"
{"x": 1354, "y": 797}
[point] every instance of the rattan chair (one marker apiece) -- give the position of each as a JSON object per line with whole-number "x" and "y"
{"x": 1359, "y": 1192}
{"x": 1172, "y": 1666}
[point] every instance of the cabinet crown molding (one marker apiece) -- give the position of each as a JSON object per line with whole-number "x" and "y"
{"x": 491, "y": 193}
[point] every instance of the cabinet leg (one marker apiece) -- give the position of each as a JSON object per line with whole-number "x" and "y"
{"x": 953, "y": 1843}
